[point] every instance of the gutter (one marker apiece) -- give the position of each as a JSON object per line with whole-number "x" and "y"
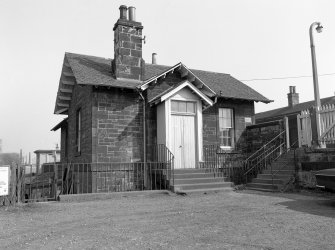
{"x": 215, "y": 101}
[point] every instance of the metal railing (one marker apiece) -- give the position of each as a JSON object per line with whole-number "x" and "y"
{"x": 162, "y": 154}
{"x": 80, "y": 178}
{"x": 274, "y": 173}
{"x": 264, "y": 156}
{"x": 222, "y": 163}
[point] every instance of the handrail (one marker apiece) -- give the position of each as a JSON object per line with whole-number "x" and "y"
{"x": 266, "y": 144}
{"x": 288, "y": 150}
{"x": 266, "y": 157}
{"x": 262, "y": 156}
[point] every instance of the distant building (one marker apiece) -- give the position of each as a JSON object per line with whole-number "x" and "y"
{"x": 291, "y": 111}
{"x": 46, "y": 156}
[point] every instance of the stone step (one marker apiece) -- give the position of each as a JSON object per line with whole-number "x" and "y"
{"x": 263, "y": 186}
{"x": 209, "y": 190}
{"x": 193, "y": 175}
{"x": 203, "y": 186}
{"x": 279, "y": 171}
{"x": 277, "y": 176}
{"x": 268, "y": 181}
{"x": 192, "y": 170}
{"x": 197, "y": 180}
{"x": 285, "y": 162}
{"x": 261, "y": 189}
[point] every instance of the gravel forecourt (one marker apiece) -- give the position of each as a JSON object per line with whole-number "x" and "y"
{"x": 151, "y": 220}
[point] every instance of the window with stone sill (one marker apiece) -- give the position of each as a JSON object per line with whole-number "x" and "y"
{"x": 226, "y": 128}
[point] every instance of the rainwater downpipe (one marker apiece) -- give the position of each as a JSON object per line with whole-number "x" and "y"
{"x": 144, "y": 128}
{"x": 144, "y": 142}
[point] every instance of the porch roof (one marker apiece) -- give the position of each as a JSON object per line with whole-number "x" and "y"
{"x": 59, "y": 125}
{"x": 171, "y": 91}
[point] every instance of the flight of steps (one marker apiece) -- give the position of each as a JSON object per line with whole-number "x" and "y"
{"x": 198, "y": 180}
{"x": 284, "y": 172}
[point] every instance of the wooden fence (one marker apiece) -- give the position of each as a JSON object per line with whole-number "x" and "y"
{"x": 327, "y": 128}
{"x": 325, "y": 117}
{"x": 15, "y": 192}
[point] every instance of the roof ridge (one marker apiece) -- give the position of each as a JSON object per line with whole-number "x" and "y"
{"x": 213, "y": 72}
{"x": 76, "y": 54}
{"x": 290, "y": 108}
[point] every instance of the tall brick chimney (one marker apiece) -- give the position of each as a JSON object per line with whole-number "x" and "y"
{"x": 128, "y": 62}
{"x": 292, "y": 97}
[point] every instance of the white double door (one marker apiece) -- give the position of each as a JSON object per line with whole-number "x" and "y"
{"x": 183, "y": 140}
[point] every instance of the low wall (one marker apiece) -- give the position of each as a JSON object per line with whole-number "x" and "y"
{"x": 310, "y": 161}
{"x": 260, "y": 134}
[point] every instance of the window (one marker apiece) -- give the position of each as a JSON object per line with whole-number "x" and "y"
{"x": 66, "y": 139}
{"x": 182, "y": 107}
{"x": 78, "y": 131}
{"x": 226, "y": 127}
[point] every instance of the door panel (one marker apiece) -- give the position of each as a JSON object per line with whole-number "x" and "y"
{"x": 188, "y": 142}
{"x": 183, "y": 141}
{"x": 176, "y": 140}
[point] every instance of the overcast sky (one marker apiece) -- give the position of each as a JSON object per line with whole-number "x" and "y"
{"x": 247, "y": 39}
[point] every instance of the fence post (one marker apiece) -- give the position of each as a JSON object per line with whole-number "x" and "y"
{"x": 315, "y": 124}
{"x": 18, "y": 183}
{"x": 299, "y": 130}
{"x": 56, "y": 173}
{"x": 13, "y": 184}
{"x": 55, "y": 179}
{"x": 287, "y": 133}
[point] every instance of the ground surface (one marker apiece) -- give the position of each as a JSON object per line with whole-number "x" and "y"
{"x": 231, "y": 220}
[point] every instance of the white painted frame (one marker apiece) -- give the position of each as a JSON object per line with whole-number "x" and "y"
{"x": 198, "y": 123}
{"x": 192, "y": 87}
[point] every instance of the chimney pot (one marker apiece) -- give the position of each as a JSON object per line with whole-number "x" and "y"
{"x": 292, "y": 97}
{"x": 123, "y": 12}
{"x": 132, "y": 13}
{"x": 291, "y": 89}
{"x": 154, "y": 58}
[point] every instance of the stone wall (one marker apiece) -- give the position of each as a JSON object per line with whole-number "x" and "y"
{"x": 81, "y": 100}
{"x": 242, "y": 109}
{"x": 118, "y": 177}
{"x": 310, "y": 161}
{"x": 259, "y": 134}
{"x": 117, "y": 126}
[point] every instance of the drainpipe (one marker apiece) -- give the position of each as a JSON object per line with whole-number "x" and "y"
{"x": 144, "y": 130}
{"x": 146, "y": 179}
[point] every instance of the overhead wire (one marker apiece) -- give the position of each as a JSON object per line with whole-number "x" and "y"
{"x": 283, "y": 78}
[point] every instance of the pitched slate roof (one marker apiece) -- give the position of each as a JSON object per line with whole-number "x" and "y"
{"x": 296, "y": 109}
{"x": 97, "y": 71}
{"x": 92, "y": 70}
